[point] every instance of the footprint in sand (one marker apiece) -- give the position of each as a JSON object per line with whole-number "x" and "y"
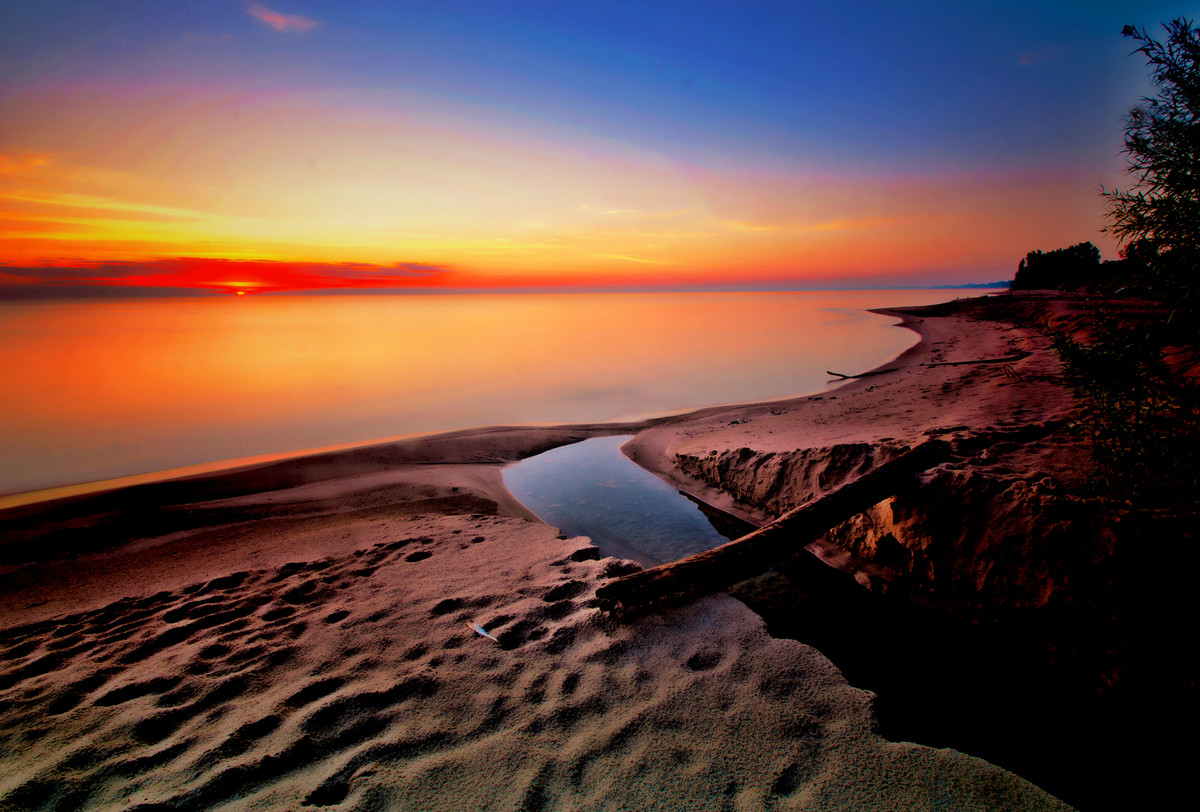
{"x": 703, "y": 660}
{"x": 567, "y": 590}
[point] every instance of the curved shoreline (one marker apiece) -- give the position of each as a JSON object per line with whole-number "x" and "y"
{"x": 860, "y": 410}
{"x": 326, "y": 484}
{"x": 220, "y": 466}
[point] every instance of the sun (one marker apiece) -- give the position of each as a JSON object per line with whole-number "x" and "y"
{"x": 240, "y": 288}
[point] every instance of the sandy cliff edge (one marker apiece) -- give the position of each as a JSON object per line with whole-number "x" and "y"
{"x": 955, "y": 539}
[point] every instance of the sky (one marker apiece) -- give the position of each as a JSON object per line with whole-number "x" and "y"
{"x": 329, "y": 146}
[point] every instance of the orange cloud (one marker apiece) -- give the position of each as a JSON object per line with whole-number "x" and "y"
{"x": 20, "y": 164}
{"x": 280, "y": 21}
{"x": 644, "y": 260}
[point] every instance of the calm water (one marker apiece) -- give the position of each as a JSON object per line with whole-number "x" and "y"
{"x": 94, "y": 390}
{"x": 592, "y": 489}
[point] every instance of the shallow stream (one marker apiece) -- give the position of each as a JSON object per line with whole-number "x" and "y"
{"x": 592, "y": 489}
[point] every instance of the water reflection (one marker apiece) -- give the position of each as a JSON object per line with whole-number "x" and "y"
{"x": 94, "y": 390}
{"x": 592, "y": 489}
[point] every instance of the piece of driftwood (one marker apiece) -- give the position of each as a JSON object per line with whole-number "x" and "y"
{"x": 1008, "y": 359}
{"x": 713, "y": 570}
{"x": 861, "y": 374}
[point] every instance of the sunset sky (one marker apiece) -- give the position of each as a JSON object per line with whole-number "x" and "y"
{"x": 299, "y": 144}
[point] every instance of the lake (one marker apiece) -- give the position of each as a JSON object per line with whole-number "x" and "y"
{"x": 95, "y": 390}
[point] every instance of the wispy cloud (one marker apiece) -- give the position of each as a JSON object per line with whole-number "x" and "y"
{"x": 102, "y": 204}
{"x": 280, "y": 21}
{"x": 635, "y": 214}
{"x": 840, "y": 224}
{"x": 857, "y": 223}
{"x": 18, "y": 164}
{"x": 742, "y": 225}
{"x": 627, "y": 258}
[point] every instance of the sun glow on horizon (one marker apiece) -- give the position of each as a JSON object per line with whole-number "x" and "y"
{"x": 286, "y": 166}
{"x": 684, "y": 227}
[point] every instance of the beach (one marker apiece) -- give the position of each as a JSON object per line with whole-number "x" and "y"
{"x": 297, "y": 634}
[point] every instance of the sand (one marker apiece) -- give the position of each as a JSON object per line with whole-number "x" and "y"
{"x": 296, "y": 635}
{"x": 995, "y": 529}
{"x": 891, "y": 410}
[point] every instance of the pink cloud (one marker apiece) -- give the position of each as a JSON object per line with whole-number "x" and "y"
{"x": 279, "y": 21}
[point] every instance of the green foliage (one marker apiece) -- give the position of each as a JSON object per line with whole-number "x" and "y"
{"x": 1161, "y": 212}
{"x": 1063, "y": 269}
{"x": 1142, "y": 418}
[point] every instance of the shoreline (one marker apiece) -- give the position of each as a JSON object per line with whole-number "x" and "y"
{"x": 655, "y": 447}
{"x": 74, "y": 506}
{"x": 296, "y": 632}
{"x": 218, "y": 466}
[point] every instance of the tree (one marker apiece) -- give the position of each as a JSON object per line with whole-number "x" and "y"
{"x": 1063, "y": 269}
{"x": 1161, "y": 213}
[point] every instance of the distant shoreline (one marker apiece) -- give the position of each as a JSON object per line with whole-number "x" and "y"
{"x": 85, "y": 293}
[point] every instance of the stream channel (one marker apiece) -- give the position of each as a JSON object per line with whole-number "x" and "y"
{"x": 591, "y": 489}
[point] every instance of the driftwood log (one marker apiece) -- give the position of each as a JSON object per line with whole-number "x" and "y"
{"x": 713, "y": 570}
{"x": 1008, "y": 359}
{"x": 873, "y": 372}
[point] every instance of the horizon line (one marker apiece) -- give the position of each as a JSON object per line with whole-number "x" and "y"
{"x": 100, "y": 292}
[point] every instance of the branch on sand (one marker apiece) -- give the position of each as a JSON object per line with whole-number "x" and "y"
{"x": 672, "y": 584}
{"x": 845, "y": 377}
{"x": 1008, "y": 359}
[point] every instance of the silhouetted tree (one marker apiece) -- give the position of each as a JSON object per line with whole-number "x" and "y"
{"x": 1160, "y": 214}
{"x": 1064, "y": 268}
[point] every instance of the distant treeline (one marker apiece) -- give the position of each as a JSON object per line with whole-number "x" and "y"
{"x": 1076, "y": 268}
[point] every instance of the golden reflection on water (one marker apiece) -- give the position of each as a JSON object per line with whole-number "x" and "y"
{"x": 101, "y": 389}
